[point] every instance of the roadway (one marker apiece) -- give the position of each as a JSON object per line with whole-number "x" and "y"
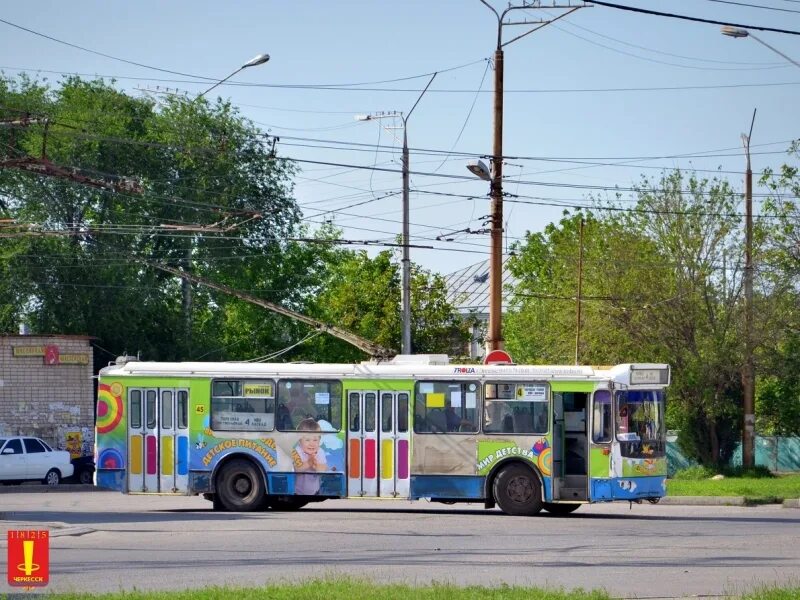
{"x": 105, "y": 541}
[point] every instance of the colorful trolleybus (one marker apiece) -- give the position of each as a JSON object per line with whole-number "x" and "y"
{"x": 250, "y": 436}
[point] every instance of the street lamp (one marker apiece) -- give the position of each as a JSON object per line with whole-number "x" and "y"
{"x": 405, "y": 290}
{"x": 737, "y": 32}
{"x": 748, "y": 372}
{"x": 259, "y": 59}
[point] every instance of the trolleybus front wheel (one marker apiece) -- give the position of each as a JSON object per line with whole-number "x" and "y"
{"x": 560, "y": 509}
{"x": 240, "y": 487}
{"x": 517, "y": 491}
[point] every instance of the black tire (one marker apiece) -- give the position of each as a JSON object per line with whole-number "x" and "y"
{"x": 240, "y": 486}
{"x": 85, "y": 477}
{"x": 286, "y": 503}
{"x": 517, "y": 491}
{"x": 560, "y": 509}
{"x": 53, "y": 478}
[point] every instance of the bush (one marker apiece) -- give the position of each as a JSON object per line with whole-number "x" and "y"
{"x": 757, "y": 472}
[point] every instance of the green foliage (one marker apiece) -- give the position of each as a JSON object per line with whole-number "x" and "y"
{"x": 653, "y": 291}
{"x": 362, "y": 294}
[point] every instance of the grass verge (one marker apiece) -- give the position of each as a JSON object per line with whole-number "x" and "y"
{"x": 757, "y": 490}
{"x": 348, "y": 588}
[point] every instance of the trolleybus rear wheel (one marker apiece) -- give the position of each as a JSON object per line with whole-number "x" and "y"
{"x": 517, "y": 491}
{"x": 560, "y": 509}
{"x": 240, "y": 486}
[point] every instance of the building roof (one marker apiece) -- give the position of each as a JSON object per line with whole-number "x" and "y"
{"x": 468, "y": 288}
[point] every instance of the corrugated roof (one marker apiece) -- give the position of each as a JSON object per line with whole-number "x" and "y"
{"x": 468, "y": 288}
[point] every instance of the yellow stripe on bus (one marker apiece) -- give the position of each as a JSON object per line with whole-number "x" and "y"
{"x": 387, "y": 459}
{"x": 167, "y": 455}
{"x": 136, "y": 455}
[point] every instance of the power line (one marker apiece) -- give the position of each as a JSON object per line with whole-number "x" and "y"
{"x": 761, "y": 6}
{"x": 434, "y": 91}
{"x": 138, "y": 64}
{"x": 695, "y": 19}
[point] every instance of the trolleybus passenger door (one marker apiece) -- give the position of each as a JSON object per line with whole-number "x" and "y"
{"x": 558, "y": 445}
{"x": 362, "y": 443}
{"x": 136, "y": 440}
{"x": 150, "y": 450}
{"x": 166, "y": 442}
{"x": 394, "y": 445}
{"x": 182, "y": 440}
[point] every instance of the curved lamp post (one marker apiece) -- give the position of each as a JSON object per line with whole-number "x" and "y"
{"x": 253, "y": 62}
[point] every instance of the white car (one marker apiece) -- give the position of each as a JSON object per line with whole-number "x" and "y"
{"x": 29, "y": 458}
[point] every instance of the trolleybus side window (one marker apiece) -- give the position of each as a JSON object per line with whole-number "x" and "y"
{"x": 242, "y": 405}
{"x": 515, "y": 407}
{"x": 183, "y": 408}
{"x": 300, "y": 399}
{"x": 446, "y": 407}
{"x": 601, "y": 417}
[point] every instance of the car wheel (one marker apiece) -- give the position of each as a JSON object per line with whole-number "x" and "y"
{"x": 560, "y": 509}
{"x": 53, "y": 477}
{"x": 517, "y": 491}
{"x": 240, "y": 486}
{"x": 85, "y": 477}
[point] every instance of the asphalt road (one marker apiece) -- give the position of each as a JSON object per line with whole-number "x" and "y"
{"x": 114, "y": 542}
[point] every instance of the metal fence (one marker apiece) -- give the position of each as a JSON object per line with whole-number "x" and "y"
{"x": 779, "y": 454}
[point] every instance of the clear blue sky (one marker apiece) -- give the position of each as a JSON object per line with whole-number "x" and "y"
{"x": 555, "y": 103}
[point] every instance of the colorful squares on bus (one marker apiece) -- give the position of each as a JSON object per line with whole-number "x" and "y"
{"x": 167, "y": 455}
{"x": 387, "y": 459}
{"x": 402, "y": 459}
{"x": 151, "y": 456}
{"x": 183, "y": 455}
{"x": 355, "y": 459}
{"x": 370, "y": 459}
{"x": 136, "y": 455}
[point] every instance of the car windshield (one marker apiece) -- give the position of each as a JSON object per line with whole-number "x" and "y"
{"x": 49, "y": 449}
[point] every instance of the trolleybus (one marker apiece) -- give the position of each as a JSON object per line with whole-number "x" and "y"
{"x": 251, "y": 436}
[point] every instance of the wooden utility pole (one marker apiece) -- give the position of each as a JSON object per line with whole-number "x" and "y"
{"x": 748, "y": 370}
{"x": 494, "y": 339}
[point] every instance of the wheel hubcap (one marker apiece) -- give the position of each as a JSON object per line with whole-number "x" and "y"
{"x": 520, "y": 489}
{"x": 242, "y": 485}
{"x": 52, "y": 479}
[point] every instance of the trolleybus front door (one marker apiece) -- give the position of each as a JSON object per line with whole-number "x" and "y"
{"x": 158, "y": 442}
{"x": 378, "y": 444}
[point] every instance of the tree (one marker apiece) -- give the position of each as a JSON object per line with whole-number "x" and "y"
{"x": 662, "y": 282}
{"x": 210, "y": 196}
{"x": 362, "y": 294}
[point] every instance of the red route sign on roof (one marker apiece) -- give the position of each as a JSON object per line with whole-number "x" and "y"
{"x": 498, "y": 357}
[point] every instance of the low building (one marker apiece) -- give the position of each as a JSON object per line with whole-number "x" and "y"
{"x": 468, "y": 292}
{"x": 47, "y": 390}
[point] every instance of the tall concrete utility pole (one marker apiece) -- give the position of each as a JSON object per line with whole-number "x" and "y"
{"x": 405, "y": 289}
{"x": 494, "y": 339}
